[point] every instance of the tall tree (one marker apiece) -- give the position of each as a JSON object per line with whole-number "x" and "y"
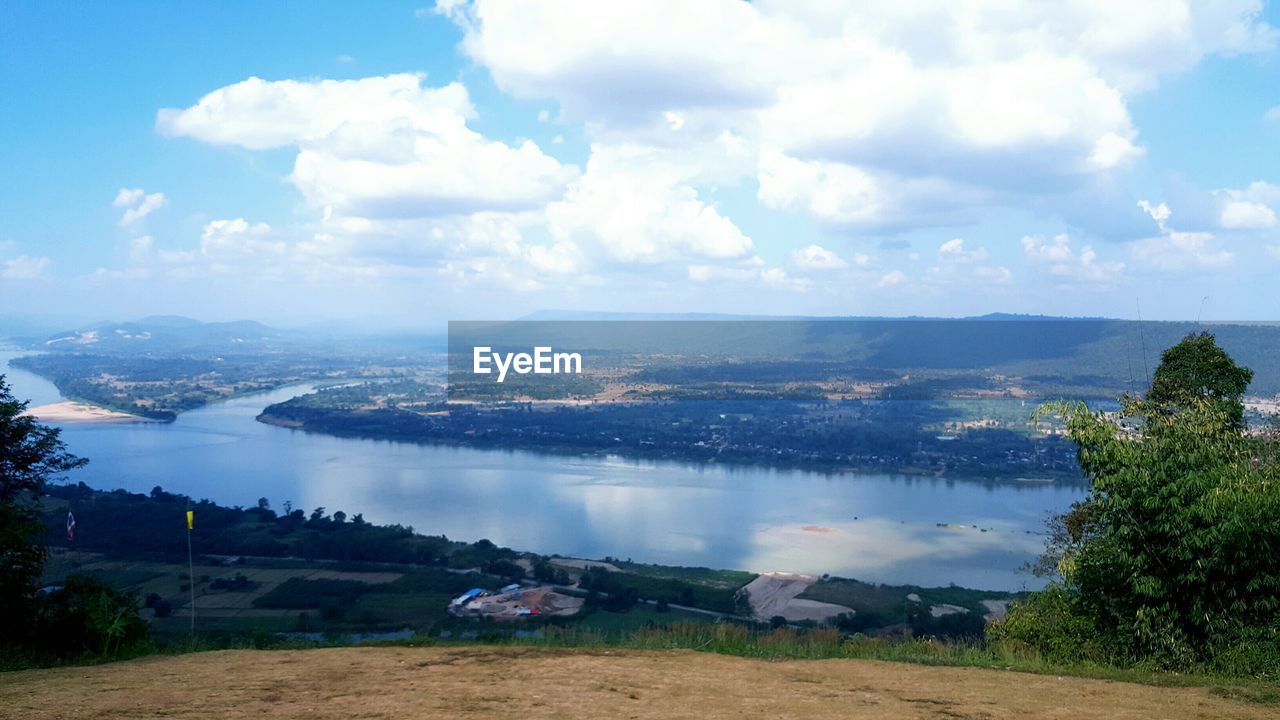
{"x": 1197, "y": 369}
{"x": 1174, "y": 557}
{"x": 31, "y": 455}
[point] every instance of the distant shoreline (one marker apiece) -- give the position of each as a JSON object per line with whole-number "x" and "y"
{"x": 70, "y": 411}
{"x": 271, "y": 416}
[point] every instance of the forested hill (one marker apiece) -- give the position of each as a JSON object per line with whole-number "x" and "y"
{"x": 1102, "y": 353}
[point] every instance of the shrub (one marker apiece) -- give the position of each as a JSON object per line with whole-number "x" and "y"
{"x": 87, "y": 617}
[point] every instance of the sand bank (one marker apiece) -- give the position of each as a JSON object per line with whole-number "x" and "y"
{"x": 69, "y": 411}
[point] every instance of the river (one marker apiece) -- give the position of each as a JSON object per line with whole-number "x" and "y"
{"x": 877, "y": 527}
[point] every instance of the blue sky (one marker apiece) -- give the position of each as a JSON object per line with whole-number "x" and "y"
{"x": 404, "y": 164}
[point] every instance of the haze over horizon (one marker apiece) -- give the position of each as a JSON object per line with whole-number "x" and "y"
{"x": 404, "y": 164}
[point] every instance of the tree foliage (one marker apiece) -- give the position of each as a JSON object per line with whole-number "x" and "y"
{"x": 1197, "y": 369}
{"x": 1174, "y": 558}
{"x": 31, "y": 455}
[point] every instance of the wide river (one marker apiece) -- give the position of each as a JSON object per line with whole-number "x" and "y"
{"x": 875, "y": 527}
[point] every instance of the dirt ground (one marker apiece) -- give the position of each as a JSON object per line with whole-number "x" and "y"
{"x": 481, "y": 682}
{"x": 775, "y": 594}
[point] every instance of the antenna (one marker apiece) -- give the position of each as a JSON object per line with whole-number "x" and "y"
{"x": 1203, "y": 300}
{"x": 1146, "y": 367}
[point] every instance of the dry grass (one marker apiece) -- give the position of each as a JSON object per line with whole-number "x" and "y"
{"x": 485, "y": 682}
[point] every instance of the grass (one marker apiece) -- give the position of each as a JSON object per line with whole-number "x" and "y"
{"x": 486, "y": 680}
{"x": 891, "y": 600}
{"x": 175, "y": 630}
{"x": 618, "y": 625}
{"x": 722, "y": 579}
{"x": 827, "y": 643}
{"x": 645, "y": 629}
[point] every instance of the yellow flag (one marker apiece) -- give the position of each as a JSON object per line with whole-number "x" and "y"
{"x": 191, "y": 515}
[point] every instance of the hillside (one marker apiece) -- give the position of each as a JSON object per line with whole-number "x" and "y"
{"x": 480, "y": 682}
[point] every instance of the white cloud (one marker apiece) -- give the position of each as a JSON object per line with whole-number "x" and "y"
{"x": 954, "y": 250}
{"x": 141, "y": 250}
{"x": 851, "y": 198}
{"x": 892, "y": 279}
{"x": 1176, "y": 251}
{"x": 380, "y": 147}
{"x": 1060, "y": 258}
{"x": 1245, "y": 215}
{"x": 1272, "y": 114}
{"x": 128, "y": 197}
{"x": 816, "y": 257}
{"x": 871, "y": 116}
{"x": 768, "y": 277}
{"x": 956, "y": 264}
{"x": 138, "y": 204}
{"x": 1252, "y": 208}
{"x": 25, "y": 267}
{"x": 224, "y": 238}
{"x": 1160, "y": 213}
{"x": 635, "y": 204}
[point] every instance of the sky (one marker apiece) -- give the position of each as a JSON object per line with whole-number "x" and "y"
{"x": 396, "y": 165}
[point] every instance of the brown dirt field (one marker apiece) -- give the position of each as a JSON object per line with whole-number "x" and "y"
{"x": 529, "y": 683}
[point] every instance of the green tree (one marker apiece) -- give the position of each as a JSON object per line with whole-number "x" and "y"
{"x": 31, "y": 455}
{"x": 1195, "y": 369}
{"x": 1174, "y": 557}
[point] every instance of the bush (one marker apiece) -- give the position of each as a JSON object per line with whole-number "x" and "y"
{"x": 1048, "y": 622}
{"x": 87, "y": 617}
{"x": 1171, "y": 561}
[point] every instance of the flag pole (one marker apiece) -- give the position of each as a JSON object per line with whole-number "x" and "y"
{"x": 191, "y": 570}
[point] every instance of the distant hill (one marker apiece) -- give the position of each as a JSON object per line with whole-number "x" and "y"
{"x": 172, "y": 334}
{"x": 1098, "y": 352}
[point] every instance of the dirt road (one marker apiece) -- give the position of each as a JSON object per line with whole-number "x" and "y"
{"x": 481, "y": 682}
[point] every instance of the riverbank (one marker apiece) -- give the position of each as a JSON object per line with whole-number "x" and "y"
{"x": 431, "y": 430}
{"x": 71, "y": 411}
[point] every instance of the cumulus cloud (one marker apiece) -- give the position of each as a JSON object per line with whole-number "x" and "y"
{"x": 1057, "y": 255}
{"x": 1173, "y": 251}
{"x": 816, "y": 257}
{"x": 1159, "y": 213}
{"x": 861, "y": 117}
{"x": 852, "y": 198}
{"x": 137, "y": 204}
{"x": 376, "y": 147}
{"x": 892, "y": 278}
{"x": 956, "y": 263}
{"x": 635, "y": 204}
{"x": 25, "y": 267}
{"x": 394, "y": 167}
{"x": 870, "y": 119}
{"x": 1245, "y": 215}
{"x": 127, "y": 197}
{"x": 1251, "y": 208}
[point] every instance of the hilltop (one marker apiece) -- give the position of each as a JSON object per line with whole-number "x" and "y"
{"x": 485, "y": 682}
